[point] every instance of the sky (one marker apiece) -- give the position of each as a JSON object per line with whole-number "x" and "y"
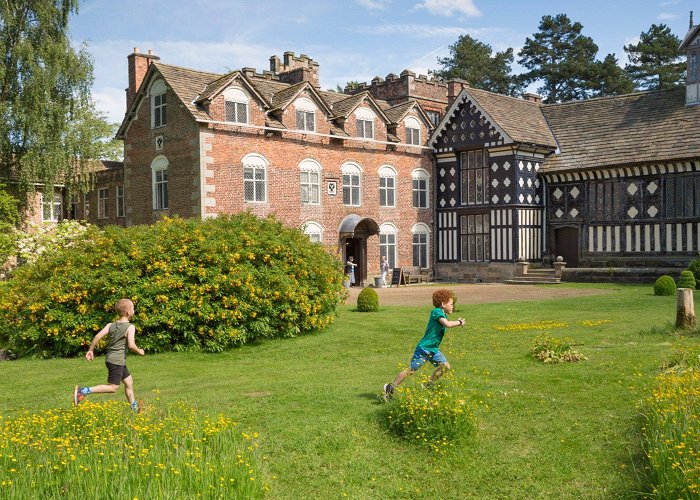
{"x": 352, "y": 40}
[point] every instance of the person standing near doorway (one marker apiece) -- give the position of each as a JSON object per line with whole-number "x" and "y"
{"x": 350, "y": 269}
{"x": 384, "y": 268}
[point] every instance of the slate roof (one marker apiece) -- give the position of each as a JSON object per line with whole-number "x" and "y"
{"x": 522, "y": 120}
{"x": 632, "y": 129}
{"x": 187, "y": 85}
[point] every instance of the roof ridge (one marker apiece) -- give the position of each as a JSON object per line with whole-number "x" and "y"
{"x": 219, "y": 75}
{"x": 611, "y": 97}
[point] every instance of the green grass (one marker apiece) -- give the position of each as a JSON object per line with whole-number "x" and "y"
{"x": 567, "y": 430}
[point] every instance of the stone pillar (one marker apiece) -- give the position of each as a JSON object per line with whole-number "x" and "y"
{"x": 521, "y": 268}
{"x": 559, "y": 266}
{"x": 685, "y": 309}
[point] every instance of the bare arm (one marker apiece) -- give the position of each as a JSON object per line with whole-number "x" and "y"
{"x": 449, "y": 324}
{"x": 90, "y": 355}
{"x": 131, "y": 341}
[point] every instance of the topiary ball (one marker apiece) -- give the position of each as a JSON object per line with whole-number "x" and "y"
{"x": 368, "y": 300}
{"x": 665, "y": 286}
{"x": 687, "y": 280}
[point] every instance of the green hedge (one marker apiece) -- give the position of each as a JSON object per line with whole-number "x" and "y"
{"x": 665, "y": 286}
{"x": 196, "y": 285}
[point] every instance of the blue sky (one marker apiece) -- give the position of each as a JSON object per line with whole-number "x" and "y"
{"x": 350, "y": 39}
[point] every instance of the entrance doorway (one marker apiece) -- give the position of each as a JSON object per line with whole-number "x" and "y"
{"x": 354, "y": 231}
{"x": 357, "y": 249}
{"x": 566, "y": 245}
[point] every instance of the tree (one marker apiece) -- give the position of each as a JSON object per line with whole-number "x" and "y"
{"x": 562, "y": 58}
{"x": 656, "y": 61}
{"x": 47, "y": 128}
{"x": 611, "y": 79}
{"x": 474, "y": 61}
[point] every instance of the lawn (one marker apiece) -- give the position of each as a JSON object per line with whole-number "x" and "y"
{"x": 569, "y": 430}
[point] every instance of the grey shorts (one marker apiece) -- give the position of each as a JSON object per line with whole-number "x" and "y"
{"x": 116, "y": 373}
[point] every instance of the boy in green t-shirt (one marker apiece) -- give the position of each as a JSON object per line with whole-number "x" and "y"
{"x": 428, "y": 348}
{"x": 120, "y": 338}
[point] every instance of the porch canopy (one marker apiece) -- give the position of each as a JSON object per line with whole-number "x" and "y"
{"x": 354, "y": 226}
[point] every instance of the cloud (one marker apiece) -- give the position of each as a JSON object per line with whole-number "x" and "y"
{"x": 449, "y": 7}
{"x": 666, "y": 16}
{"x": 413, "y": 30}
{"x": 373, "y": 4}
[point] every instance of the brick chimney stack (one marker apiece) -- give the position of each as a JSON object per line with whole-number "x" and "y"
{"x": 454, "y": 87}
{"x": 138, "y": 66}
{"x": 295, "y": 69}
{"x": 532, "y": 97}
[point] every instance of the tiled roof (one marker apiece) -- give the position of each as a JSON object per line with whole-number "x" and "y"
{"x": 187, "y": 84}
{"x": 344, "y": 106}
{"x": 522, "y": 120}
{"x": 215, "y": 86}
{"x": 644, "y": 127}
{"x": 283, "y": 97}
{"x": 396, "y": 113}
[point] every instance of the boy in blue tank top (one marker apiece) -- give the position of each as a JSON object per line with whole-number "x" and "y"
{"x": 428, "y": 348}
{"x": 120, "y": 338}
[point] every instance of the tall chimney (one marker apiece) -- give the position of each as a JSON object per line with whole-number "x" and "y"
{"x": 691, "y": 46}
{"x": 138, "y": 66}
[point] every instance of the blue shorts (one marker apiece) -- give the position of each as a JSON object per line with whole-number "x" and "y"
{"x": 421, "y": 356}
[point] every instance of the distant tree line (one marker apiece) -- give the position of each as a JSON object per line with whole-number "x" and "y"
{"x": 563, "y": 62}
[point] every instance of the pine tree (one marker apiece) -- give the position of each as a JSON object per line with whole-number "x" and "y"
{"x": 49, "y": 129}
{"x": 611, "y": 79}
{"x": 562, "y": 58}
{"x": 474, "y": 61}
{"x": 656, "y": 60}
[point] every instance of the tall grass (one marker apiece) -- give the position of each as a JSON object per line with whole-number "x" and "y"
{"x": 104, "y": 450}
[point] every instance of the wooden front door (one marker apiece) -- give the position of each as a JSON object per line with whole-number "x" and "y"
{"x": 566, "y": 245}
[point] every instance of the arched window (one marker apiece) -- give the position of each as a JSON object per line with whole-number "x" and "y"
{"x": 310, "y": 180}
{"x": 236, "y": 101}
{"x": 421, "y": 245}
{"x": 420, "y": 188}
{"x": 255, "y": 178}
{"x": 157, "y": 93}
{"x": 352, "y": 179}
{"x": 387, "y": 243}
{"x": 314, "y": 231}
{"x": 412, "y": 130}
{"x": 159, "y": 182}
{"x": 364, "y": 123}
{"x": 387, "y": 186}
{"x": 306, "y": 114}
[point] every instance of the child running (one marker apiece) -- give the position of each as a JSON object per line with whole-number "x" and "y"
{"x": 428, "y": 348}
{"x": 121, "y": 335}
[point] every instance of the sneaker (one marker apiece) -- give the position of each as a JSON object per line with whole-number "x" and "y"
{"x": 388, "y": 391}
{"x": 78, "y": 396}
{"x": 137, "y": 406}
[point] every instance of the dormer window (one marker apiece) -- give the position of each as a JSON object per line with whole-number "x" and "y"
{"x": 412, "y": 130}
{"x": 306, "y": 114}
{"x": 236, "y": 103}
{"x": 364, "y": 123}
{"x": 158, "y": 102}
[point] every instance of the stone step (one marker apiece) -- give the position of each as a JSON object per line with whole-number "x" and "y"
{"x": 525, "y": 280}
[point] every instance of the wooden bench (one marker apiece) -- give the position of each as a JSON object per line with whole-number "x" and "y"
{"x": 413, "y": 274}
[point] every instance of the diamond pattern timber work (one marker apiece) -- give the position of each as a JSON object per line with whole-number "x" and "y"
{"x": 632, "y": 189}
{"x": 557, "y": 193}
{"x": 632, "y": 212}
{"x": 559, "y": 213}
{"x": 574, "y": 192}
{"x": 652, "y": 187}
{"x": 652, "y": 211}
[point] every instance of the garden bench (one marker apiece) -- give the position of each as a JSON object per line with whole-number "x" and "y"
{"x": 413, "y": 274}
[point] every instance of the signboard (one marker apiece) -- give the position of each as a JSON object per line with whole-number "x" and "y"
{"x": 397, "y": 277}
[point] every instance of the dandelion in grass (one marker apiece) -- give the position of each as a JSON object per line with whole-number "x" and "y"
{"x": 539, "y": 325}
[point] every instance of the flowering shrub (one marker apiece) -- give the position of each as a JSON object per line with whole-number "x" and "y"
{"x": 438, "y": 417}
{"x": 196, "y": 285}
{"x": 163, "y": 452}
{"x": 553, "y": 350}
{"x": 51, "y": 237}
{"x": 671, "y": 435}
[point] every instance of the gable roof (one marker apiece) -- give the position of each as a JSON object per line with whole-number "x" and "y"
{"x": 399, "y": 112}
{"x": 689, "y": 37}
{"x": 283, "y": 98}
{"x": 643, "y": 127}
{"x": 517, "y": 120}
{"x": 343, "y": 108}
{"x": 220, "y": 84}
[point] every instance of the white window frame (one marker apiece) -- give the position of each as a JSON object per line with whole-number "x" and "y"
{"x": 159, "y": 183}
{"x": 102, "y": 200}
{"x": 241, "y": 104}
{"x": 121, "y": 202}
{"x": 305, "y": 114}
{"x": 420, "y": 175}
{"x": 387, "y": 186}
{"x": 159, "y": 117}
{"x": 412, "y": 126}
{"x": 310, "y": 182}
{"x": 314, "y": 231}
{"x": 352, "y": 184}
{"x": 422, "y": 247}
{"x": 52, "y": 211}
{"x": 255, "y": 178}
{"x": 388, "y": 243}
{"x": 364, "y": 123}
{"x": 86, "y": 206}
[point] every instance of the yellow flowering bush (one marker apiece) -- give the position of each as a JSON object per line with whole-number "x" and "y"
{"x": 196, "y": 285}
{"x": 439, "y": 417}
{"x": 164, "y": 451}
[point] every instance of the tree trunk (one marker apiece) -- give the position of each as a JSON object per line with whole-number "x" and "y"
{"x": 685, "y": 309}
